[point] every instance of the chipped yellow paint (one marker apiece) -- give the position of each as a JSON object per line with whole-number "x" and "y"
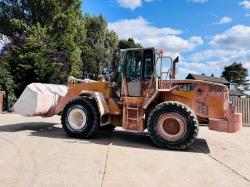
{"x": 114, "y": 109}
{"x": 102, "y": 105}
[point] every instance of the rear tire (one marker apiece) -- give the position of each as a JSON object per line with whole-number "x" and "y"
{"x": 80, "y": 119}
{"x": 172, "y": 125}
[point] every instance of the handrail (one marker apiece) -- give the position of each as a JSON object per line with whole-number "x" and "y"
{"x": 161, "y": 69}
{"x": 150, "y": 84}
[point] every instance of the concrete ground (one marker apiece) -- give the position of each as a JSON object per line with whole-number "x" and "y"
{"x": 36, "y": 152}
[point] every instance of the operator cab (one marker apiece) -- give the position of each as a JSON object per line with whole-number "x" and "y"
{"x": 138, "y": 67}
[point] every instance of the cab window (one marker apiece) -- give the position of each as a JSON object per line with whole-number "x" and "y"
{"x": 149, "y": 64}
{"x": 133, "y": 64}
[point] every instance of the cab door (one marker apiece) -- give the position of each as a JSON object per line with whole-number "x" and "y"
{"x": 133, "y": 73}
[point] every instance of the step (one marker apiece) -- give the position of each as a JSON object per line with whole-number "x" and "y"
{"x": 131, "y": 108}
{"x": 134, "y": 119}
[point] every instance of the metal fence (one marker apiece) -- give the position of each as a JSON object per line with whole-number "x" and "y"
{"x": 243, "y": 106}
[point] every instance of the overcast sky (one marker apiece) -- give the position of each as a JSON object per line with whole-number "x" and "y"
{"x": 207, "y": 34}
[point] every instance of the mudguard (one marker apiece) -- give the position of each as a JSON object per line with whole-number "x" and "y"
{"x": 100, "y": 101}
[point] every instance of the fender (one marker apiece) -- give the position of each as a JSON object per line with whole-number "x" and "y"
{"x": 100, "y": 101}
{"x": 98, "y": 98}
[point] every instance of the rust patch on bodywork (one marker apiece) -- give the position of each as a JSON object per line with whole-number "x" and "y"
{"x": 216, "y": 90}
{"x": 201, "y": 107}
{"x": 201, "y": 90}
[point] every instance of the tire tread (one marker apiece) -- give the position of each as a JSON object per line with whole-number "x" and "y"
{"x": 158, "y": 140}
{"x": 92, "y": 127}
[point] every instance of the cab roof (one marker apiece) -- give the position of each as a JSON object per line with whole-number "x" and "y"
{"x": 146, "y": 48}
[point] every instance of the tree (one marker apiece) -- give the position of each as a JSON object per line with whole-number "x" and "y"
{"x": 99, "y": 47}
{"x": 130, "y": 43}
{"x": 68, "y": 33}
{"x": 236, "y": 73}
{"x": 33, "y": 61}
{"x": 17, "y": 16}
{"x": 6, "y": 82}
{"x": 46, "y": 38}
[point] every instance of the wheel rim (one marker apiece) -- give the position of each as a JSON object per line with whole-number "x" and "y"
{"x": 77, "y": 119}
{"x": 172, "y": 126}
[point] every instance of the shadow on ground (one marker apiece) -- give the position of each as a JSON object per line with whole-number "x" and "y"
{"x": 117, "y": 137}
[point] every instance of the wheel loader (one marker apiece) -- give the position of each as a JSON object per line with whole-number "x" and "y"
{"x": 145, "y": 94}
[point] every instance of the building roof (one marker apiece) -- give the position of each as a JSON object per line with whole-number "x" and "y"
{"x": 221, "y": 80}
{"x": 236, "y": 92}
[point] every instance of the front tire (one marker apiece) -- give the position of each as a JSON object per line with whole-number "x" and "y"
{"x": 80, "y": 119}
{"x": 173, "y": 125}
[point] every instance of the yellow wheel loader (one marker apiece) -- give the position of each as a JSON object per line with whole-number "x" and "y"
{"x": 145, "y": 94}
